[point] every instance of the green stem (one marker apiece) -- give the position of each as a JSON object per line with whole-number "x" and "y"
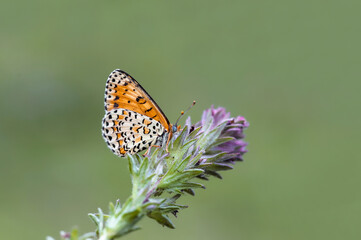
{"x": 133, "y": 210}
{"x": 118, "y": 225}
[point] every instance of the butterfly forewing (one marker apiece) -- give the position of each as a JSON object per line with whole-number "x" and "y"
{"x": 123, "y": 91}
{"x": 133, "y": 121}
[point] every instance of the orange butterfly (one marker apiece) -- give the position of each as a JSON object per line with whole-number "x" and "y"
{"x": 133, "y": 121}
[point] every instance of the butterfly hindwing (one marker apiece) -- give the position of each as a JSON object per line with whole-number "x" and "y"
{"x": 128, "y": 131}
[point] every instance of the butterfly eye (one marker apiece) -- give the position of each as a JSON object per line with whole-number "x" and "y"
{"x": 174, "y": 128}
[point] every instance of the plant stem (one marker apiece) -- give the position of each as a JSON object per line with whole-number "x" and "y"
{"x": 134, "y": 209}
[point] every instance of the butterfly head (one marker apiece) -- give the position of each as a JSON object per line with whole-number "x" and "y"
{"x": 175, "y": 128}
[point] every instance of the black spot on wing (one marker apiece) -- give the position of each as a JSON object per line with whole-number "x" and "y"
{"x": 148, "y": 110}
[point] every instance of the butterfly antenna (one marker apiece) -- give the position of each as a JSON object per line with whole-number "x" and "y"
{"x": 184, "y": 112}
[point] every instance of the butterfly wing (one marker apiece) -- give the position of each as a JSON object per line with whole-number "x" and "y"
{"x": 128, "y": 131}
{"x": 133, "y": 121}
{"x": 123, "y": 91}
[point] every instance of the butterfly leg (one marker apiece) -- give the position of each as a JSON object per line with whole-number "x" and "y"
{"x": 146, "y": 153}
{"x": 168, "y": 140}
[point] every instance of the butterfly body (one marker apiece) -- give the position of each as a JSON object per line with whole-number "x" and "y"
{"x": 133, "y": 121}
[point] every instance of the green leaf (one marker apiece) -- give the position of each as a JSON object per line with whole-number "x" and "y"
{"x": 130, "y": 215}
{"x": 179, "y": 140}
{"x": 133, "y": 164}
{"x": 213, "y": 173}
{"x": 74, "y": 234}
{"x": 189, "y": 191}
{"x": 208, "y": 123}
{"x": 194, "y": 133}
{"x": 177, "y": 157}
{"x": 117, "y": 207}
{"x": 185, "y": 185}
{"x": 219, "y": 141}
{"x": 214, "y": 157}
{"x": 101, "y": 220}
{"x": 181, "y": 166}
{"x": 171, "y": 208}
{"x": 155, "y": 153}
{"x": 111, "y": 208}
{"x": 94, "y": 218}
{"x": 144, "y": 167}
{"x": 203, "y": 177}
{"x": 218, "y": 167}
{"x": 194, "y": 160}
{"x": 185, "y": 147}
{"x": 189, "y": 174}
{"x": 208, "y": 138}
{"x": 170, "y": 180}
{"x": 161, "y": 219}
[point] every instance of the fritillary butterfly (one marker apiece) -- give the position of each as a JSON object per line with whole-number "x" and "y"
{"x": 133, "y": 121}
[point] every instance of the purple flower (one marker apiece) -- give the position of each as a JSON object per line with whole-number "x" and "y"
{"x": 219, "y": 115}
{"x": 234, "y": 148}
{"x": 237, "y": 146}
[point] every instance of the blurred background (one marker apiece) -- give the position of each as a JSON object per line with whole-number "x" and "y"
{"x": 292, "y": 68}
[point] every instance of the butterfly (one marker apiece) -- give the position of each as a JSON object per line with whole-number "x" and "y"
{"x": 133, "y": 121}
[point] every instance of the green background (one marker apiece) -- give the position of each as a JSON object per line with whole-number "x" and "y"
{"x": 292, "y": 68}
